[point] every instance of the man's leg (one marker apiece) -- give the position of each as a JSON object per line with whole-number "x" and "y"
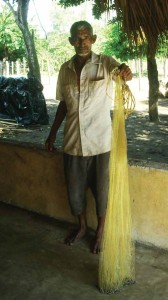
{"x": 99, "y": 183}
{"x": 75, "y": 173}
{"x": 76, "y": 235}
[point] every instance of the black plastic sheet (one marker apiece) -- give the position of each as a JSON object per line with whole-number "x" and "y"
{"x": 22, "y": 99}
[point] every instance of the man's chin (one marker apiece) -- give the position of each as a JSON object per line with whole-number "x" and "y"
{"x": 83, "y": 54}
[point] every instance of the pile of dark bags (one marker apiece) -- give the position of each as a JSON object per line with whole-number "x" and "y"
{"x": 22, "y": 99}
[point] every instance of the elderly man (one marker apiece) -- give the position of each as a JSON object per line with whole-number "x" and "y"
{"x": 82, "y": 89}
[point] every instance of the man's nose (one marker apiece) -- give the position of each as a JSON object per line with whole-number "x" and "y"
{"x": 81, "y": 42}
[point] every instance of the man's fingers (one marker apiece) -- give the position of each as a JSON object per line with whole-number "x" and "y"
{"x": 49, "y": 146}
{"x": 51, "y": 149}
{"x": 126, "y": 73}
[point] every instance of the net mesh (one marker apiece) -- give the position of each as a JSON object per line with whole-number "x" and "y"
{"x": 116, "y": 263}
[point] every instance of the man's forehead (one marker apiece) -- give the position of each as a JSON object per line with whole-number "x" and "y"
{"x": 82, "y": 30}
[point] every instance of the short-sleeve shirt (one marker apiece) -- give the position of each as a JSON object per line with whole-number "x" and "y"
{"x": 87, "y": 130}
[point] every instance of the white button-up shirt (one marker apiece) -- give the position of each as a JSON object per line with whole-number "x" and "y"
{"x": 87, "y": 129}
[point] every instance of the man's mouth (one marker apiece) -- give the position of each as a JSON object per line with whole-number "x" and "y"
{"x": 82, "y": 49}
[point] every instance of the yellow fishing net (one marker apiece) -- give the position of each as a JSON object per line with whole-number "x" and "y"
{"x": 116, "y": 264}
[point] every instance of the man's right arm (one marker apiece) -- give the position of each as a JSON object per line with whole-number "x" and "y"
{"x": 59, "y": 117}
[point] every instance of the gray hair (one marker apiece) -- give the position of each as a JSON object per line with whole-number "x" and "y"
{"x": 80, "y": 25}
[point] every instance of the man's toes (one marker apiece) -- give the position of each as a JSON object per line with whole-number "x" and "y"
{"x": 68, "y": 241}
{"x": 96, "y": 248}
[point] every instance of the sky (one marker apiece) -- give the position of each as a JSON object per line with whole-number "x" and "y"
{"x": 39, "y": 14}
{"x": 43, "y": 8}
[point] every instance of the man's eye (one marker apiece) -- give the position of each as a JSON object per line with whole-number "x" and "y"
{"x": 77, "y": 40}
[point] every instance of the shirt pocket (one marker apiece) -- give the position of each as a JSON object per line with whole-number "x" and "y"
{"x": 97, "y": 89}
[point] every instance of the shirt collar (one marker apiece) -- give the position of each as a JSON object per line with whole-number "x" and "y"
{"x": 95, "y": 59}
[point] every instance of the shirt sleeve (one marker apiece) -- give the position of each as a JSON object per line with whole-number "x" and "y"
{"x": 59, "y": 91}
{"x": 110, "y": 63}
{"x": 113, "y": 64}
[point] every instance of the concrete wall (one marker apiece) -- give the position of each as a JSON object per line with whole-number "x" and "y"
{"x": 33, "y": 179}
{"x": 149, "y": 198}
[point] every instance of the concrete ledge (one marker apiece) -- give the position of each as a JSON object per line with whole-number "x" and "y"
{"x": 33, "y": 179}
{"x": 149, "y": 196}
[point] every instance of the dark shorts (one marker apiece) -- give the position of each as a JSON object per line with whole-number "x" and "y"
{"x": 87, "y": 172}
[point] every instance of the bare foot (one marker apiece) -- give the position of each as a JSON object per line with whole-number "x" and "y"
{"x": 96, "y": 248}
{"x": 97, "y": 242}
{"x": 99, "y": 233}
{"x": 75, "y": 236}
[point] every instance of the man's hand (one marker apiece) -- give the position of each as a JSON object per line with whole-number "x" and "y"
{"x": 59, "y": 117}
{"x": 125, "y": 72}
{"x": 49, "y": 144}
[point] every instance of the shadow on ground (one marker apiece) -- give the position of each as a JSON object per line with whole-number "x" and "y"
{"x": 146, "y": 140}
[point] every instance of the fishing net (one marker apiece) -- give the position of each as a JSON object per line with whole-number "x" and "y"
{"x": 116, "y": 264}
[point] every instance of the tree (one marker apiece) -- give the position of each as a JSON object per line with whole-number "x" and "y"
{"x": 19, "y": 8}
{"x": 11, "y": 39}
{"x": 162, "y": 52}
{"x": 147, "y": 20}
{"x": 153, "y": 83}
{"x": 117, "y": 44}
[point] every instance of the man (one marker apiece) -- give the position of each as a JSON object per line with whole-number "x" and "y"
{"x": 82, "y": 88}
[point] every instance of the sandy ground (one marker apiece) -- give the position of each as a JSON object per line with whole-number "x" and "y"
{"x": 146, "y": 141}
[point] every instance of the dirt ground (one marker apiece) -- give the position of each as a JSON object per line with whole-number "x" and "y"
{"x": 146, "y": 141}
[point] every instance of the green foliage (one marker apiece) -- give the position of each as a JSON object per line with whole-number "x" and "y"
{"x": 11, "y": 39}
{"x": 120, "y": 46}
{"x": 162, "y": 47}
{"x": 68, "y": 3}
{"x": 55, "y": 50}
{"x": 100, "y": 7}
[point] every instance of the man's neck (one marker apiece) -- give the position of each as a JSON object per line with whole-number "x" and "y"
{"x": 79, "y": 63}
{"x": 81, "y": 60}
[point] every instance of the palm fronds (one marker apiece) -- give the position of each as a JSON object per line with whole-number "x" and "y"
{"x": 143, "y": 17}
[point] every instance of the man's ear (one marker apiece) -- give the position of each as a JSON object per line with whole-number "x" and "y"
{"x": 94, "y": 38}
{"x": 71, "y": 41}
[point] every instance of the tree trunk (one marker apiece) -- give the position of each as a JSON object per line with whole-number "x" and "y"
{"x": 153, "y": 84}
{"x": 165, "y": 67}
{"x": 34, "y": 68}
{"x": 21, "y": 19}
{"x": 139, "y": 73}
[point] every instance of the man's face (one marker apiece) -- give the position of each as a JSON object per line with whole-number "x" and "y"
{"x": 82, "y": 41}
